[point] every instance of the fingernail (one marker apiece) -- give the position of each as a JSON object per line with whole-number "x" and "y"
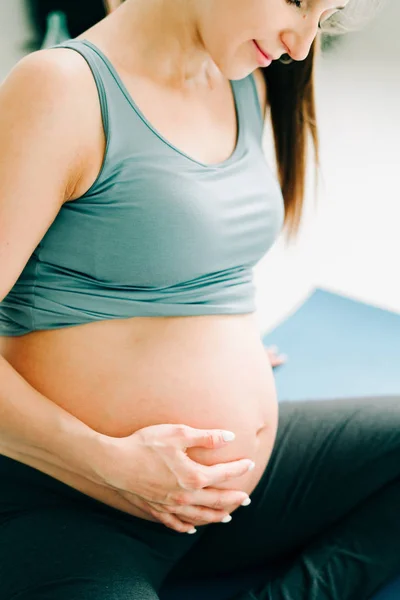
{"x": 273, "y": 348}
{"x": 246, "y": 502}
{"x": 251, "y": 466}
{"x": 193, "y": 530}
{"x": 228, "y": 436}
{"x": 226, "y": 519}
{"x": 283, "y": 357}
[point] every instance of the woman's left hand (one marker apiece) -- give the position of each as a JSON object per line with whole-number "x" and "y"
{"x": 275, "y": 359}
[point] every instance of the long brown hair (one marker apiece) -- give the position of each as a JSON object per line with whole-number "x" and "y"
{"x": 291, "y": 99}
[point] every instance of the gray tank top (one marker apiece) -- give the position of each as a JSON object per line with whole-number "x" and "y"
{"x": 158, "y": 233}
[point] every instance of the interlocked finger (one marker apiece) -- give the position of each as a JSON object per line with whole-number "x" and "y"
{"x": 192, "y": 514}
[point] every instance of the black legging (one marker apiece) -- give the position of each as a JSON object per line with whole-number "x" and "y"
{"x": 324, "y": 521}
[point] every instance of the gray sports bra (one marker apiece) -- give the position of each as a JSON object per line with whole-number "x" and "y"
{"x": 158, "y": 233}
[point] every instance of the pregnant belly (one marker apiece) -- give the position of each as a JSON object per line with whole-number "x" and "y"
{"x": 120, "y": 376}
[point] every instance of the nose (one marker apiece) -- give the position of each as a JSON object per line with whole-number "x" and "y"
{"x": 298, "y": 41}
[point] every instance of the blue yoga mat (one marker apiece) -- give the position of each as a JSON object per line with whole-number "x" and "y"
{"x": 336, "y": 347}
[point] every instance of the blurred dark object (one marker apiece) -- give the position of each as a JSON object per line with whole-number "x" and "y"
{"x": 80, "y": 16}
{"x": 328, "y": 42}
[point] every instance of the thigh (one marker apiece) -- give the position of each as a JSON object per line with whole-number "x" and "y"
{"x": 351, "y": 560}
{"x": 329, "y": 457}
{"x": 57, "y": 554}
{"x": 57, "y": 544}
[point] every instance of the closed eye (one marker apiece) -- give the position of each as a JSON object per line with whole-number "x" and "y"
{"x": 298, "y": 3}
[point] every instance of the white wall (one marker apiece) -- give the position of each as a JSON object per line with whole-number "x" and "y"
{"x": 380, "y": 41}
{"x": 14, "y": 33}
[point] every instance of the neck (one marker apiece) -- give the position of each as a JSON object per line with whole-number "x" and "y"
{"x": 161, "y": 39}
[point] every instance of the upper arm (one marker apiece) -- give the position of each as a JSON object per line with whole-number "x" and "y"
{"x": 39, "y": 155}
{"x": 261, "y": 90}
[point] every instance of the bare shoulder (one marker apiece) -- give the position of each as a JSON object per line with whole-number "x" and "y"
{"x": 49, "y": 87}
{"x": 42, "y": 150}
{"x": 51, "y": 72}
{"x": 64, "y": 102}
{"x": 261, "y": 89}
{"x": 60, "y": 78}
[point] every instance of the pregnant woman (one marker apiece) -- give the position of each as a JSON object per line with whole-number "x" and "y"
{"x": 137, "y": 402}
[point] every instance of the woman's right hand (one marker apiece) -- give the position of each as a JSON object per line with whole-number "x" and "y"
{"x": 151, "y": 470}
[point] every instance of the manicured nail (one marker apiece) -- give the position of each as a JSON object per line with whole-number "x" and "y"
{"x": 251, "y": 466}
{"x": 193, "y": 530}
{"x": 228, "y": 436}
{"x": 226, "y": 519}
{"x": 246, "y": 502}
{"x": 283, "y": 357}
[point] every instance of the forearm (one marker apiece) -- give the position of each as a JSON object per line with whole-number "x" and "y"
{"x": 34, "y": 430}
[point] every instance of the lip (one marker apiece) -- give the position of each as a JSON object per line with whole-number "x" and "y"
{"x": 264, "y": 59}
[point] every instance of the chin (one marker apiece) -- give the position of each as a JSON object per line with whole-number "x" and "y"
{"x": 241, "y": 74}
{"x": 237, "y": 71}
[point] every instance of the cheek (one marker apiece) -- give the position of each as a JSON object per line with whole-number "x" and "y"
{"x": 240, "y": 62}
{"x": 230, "y": 44}
{"x": 226, "y": 46}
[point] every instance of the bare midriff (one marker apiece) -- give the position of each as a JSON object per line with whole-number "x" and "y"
{"x": 118, "y": 376}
